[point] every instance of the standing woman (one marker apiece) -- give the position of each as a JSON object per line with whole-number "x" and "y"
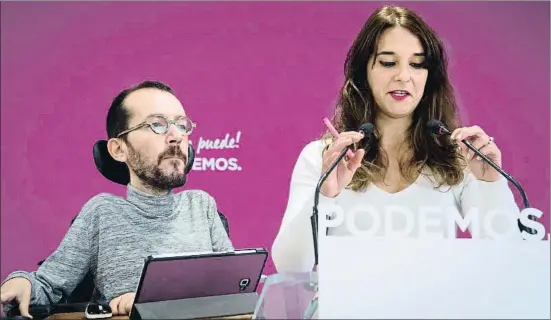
{"x": 395, "y": 78}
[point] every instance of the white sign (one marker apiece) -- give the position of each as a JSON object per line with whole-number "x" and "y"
{"x": 436, "y": 222}
{"x": 368, "y": 278}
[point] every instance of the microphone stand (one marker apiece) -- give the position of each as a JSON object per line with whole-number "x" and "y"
{"x": 509, "y": 178}
{"x": 314, "y": 217}
{"x": 438, "y": 128}
{"x": 312, "y": 308}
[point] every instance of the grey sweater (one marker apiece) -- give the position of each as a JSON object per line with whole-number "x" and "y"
{"x": 111, "y": 236}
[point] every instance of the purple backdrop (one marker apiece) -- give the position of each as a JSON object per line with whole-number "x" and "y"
{"x": 269, "y": 71}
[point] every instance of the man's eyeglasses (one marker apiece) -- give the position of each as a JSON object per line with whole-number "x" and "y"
{"x": 160, "y": 125}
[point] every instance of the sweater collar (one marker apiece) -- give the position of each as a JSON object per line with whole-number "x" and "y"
{"x": 149, "y": 205}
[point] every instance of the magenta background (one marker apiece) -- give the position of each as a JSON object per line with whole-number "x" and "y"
{"x": 271, "y": 70}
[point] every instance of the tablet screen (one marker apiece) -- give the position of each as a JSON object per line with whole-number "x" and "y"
{"x": 200, "y": 276}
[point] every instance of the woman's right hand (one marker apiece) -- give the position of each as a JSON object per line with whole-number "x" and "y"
{"x": 341, "y": 176}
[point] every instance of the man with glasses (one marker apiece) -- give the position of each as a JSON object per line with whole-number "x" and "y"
{"x": 148, "y": 130}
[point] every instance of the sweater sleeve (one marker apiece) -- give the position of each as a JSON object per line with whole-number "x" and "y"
{"x": 61, "y": 272}
{"x": 490, "y": 208}
{"x": 293, "y": 248}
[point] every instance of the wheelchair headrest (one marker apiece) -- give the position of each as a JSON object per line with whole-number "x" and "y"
{"x": 110, "y": 168}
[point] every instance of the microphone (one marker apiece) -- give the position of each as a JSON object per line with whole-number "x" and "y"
{"x": 366, "y": 129}
{"x": 438, "y": 128}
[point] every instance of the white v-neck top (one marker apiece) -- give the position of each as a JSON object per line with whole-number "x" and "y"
{"x": 419, "y": 211}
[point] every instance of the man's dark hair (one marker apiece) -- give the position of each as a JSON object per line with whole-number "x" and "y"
{"x": 118, "y": 115}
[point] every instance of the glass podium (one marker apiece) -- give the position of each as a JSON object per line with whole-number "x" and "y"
{"x": 288, "y": 296}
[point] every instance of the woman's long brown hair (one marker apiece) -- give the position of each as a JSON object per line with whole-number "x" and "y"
{"x": 356, "y": 105}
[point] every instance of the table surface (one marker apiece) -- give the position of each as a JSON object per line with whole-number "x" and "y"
{"x": 80, "y": 316}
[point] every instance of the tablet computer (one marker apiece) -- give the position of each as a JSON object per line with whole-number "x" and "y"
{"x": 196, "y": 275}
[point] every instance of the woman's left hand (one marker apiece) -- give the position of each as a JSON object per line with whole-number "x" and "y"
{"x": 486, "y": 145}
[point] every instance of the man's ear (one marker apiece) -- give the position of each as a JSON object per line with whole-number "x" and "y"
{"x": 117, "y": 149}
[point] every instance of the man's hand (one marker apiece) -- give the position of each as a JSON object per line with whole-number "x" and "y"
{"x": 20, "y": 290}
{"x": 122, "y": 305}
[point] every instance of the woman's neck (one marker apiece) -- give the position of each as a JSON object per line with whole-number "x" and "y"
{"x": 392, "y": 131}
{"x": 393, "y": 136}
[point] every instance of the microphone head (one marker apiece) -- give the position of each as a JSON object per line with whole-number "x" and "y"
{"x": 437, "y": 127}
{"x": 366, "y": 129}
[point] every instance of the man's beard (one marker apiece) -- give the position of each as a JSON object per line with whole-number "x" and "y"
{"x": 150, "y": 172}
